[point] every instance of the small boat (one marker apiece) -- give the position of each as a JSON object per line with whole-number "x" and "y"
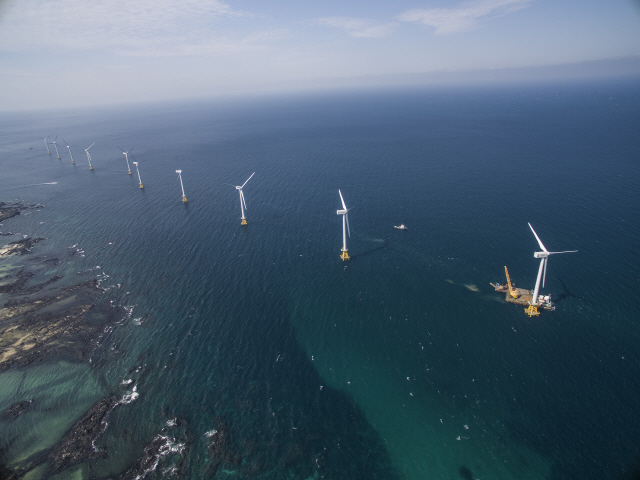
{"x": 402, "y": 226}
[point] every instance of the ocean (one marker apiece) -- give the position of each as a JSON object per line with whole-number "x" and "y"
{"x": 402, "y": 363}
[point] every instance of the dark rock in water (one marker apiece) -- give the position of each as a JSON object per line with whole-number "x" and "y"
{"x": 27, "y": 336}
{"x": 465, "y": 473}
{"x": 160, "y": 446}
{"x": 15, "y": 410}
{"x": 7, "y": 474}
{"x": 220, "y": 441}
{"x": 21, "y": 246}
{"x": 77, "y": 445}
{"x": 17, "y": 287}
{"x": 149, "y": 459}
{"x": 7, "y": 211}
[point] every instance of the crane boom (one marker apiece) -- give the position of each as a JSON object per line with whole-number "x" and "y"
{"x": 512, "y": 291}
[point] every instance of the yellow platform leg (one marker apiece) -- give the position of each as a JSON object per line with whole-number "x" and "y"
{"x": 344, "y": 256}
{"x": 532, "y": 311}
{"x": 141, "y": 186}
{"x": 243, "y": 222}
{"x": 184, "y": 199}
{"x": 130, "y": 172}
{"x": 90, "y": 168}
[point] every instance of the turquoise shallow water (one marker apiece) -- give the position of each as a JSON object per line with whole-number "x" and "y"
{"x": 401, "y": 363}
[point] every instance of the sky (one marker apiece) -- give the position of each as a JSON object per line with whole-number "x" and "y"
{"x": 56, "y": 53}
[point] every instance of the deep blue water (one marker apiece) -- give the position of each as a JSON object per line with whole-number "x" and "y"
{"x": 401, "y": 363}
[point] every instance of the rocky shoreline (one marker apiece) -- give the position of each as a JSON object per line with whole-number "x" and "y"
{"x": 39, "y": 322}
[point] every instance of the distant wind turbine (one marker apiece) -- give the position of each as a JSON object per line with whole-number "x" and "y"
{"x": 89, "y": 156}
{"x": 69, "y": 148}
{"x": 243, "y": 203}
{"x": 138, "y": 170}
{"x": 345, "y": 227}
{"x": 126, "y": 156}
{"x": 56, "y": 146}
{"x": 184, "y": 198}
{"x": 46, "y": 143}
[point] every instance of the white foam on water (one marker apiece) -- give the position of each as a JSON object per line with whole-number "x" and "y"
{"x": 132, "y": 396}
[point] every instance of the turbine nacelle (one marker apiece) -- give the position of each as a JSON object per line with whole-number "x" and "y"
{"x": 342, "y": 212}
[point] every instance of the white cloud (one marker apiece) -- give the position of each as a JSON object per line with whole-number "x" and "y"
{"x": 464, "y": 17}
{"x": 358, "y": 27}
{"x": 127, "y": 27}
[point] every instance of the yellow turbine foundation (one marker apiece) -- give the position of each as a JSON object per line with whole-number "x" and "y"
{"x": 344, "y": 256}
{"x": 141, "y": 186}
{"x": 532, "y": 311}
{"x": 243, "y": 222}
{"x": 130, "y": 172}
{"x": 90, "y": 168}
{"x": 184, "y": 199}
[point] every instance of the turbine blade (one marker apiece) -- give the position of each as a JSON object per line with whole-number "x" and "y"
{"x": 538, "y": 238}
{"x": 544, "y": 277}
{"x": 243, "y": 200}
{"x": 65, "y": 142}
{"x": 346, "y": 216}
{"x": 566, "y": 251}
{"x": 91, "y": 145}
{"x": 342, "y": 199}
{"x": 248, "y": 179}
{"x": 121, "y": 149}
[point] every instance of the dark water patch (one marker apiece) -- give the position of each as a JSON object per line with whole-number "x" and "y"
{"x": 465, "y": 473}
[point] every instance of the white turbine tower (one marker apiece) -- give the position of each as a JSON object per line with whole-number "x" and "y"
{"x": 243, "y": 204}
{"x": 345, "y": 228}
{"x": 56, "y": 146}
{"x": 69, "y": 148}
{"x": 138, "y": 170}
{"x": 46, "y": 143}
{"x": 89, "y": 156}
{"x": 126, "y": 156}
{"x": 542, "y": 274}
{"x": 184, "y": 198}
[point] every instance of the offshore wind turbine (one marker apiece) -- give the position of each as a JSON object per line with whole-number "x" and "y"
{"x": 46, "y": 143}
{"x": 69, "y": 148}
{"x": 345, "y": 228}
{"x": 138, "y": 170}
{"x": 126, "y": 156}
{"x": 56, "y": 146}
{"x": 243, "y": 203}
{"x": 184, "y": 198}
{"x": 544, "y": 257}
{"x": 89, "y": 156}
